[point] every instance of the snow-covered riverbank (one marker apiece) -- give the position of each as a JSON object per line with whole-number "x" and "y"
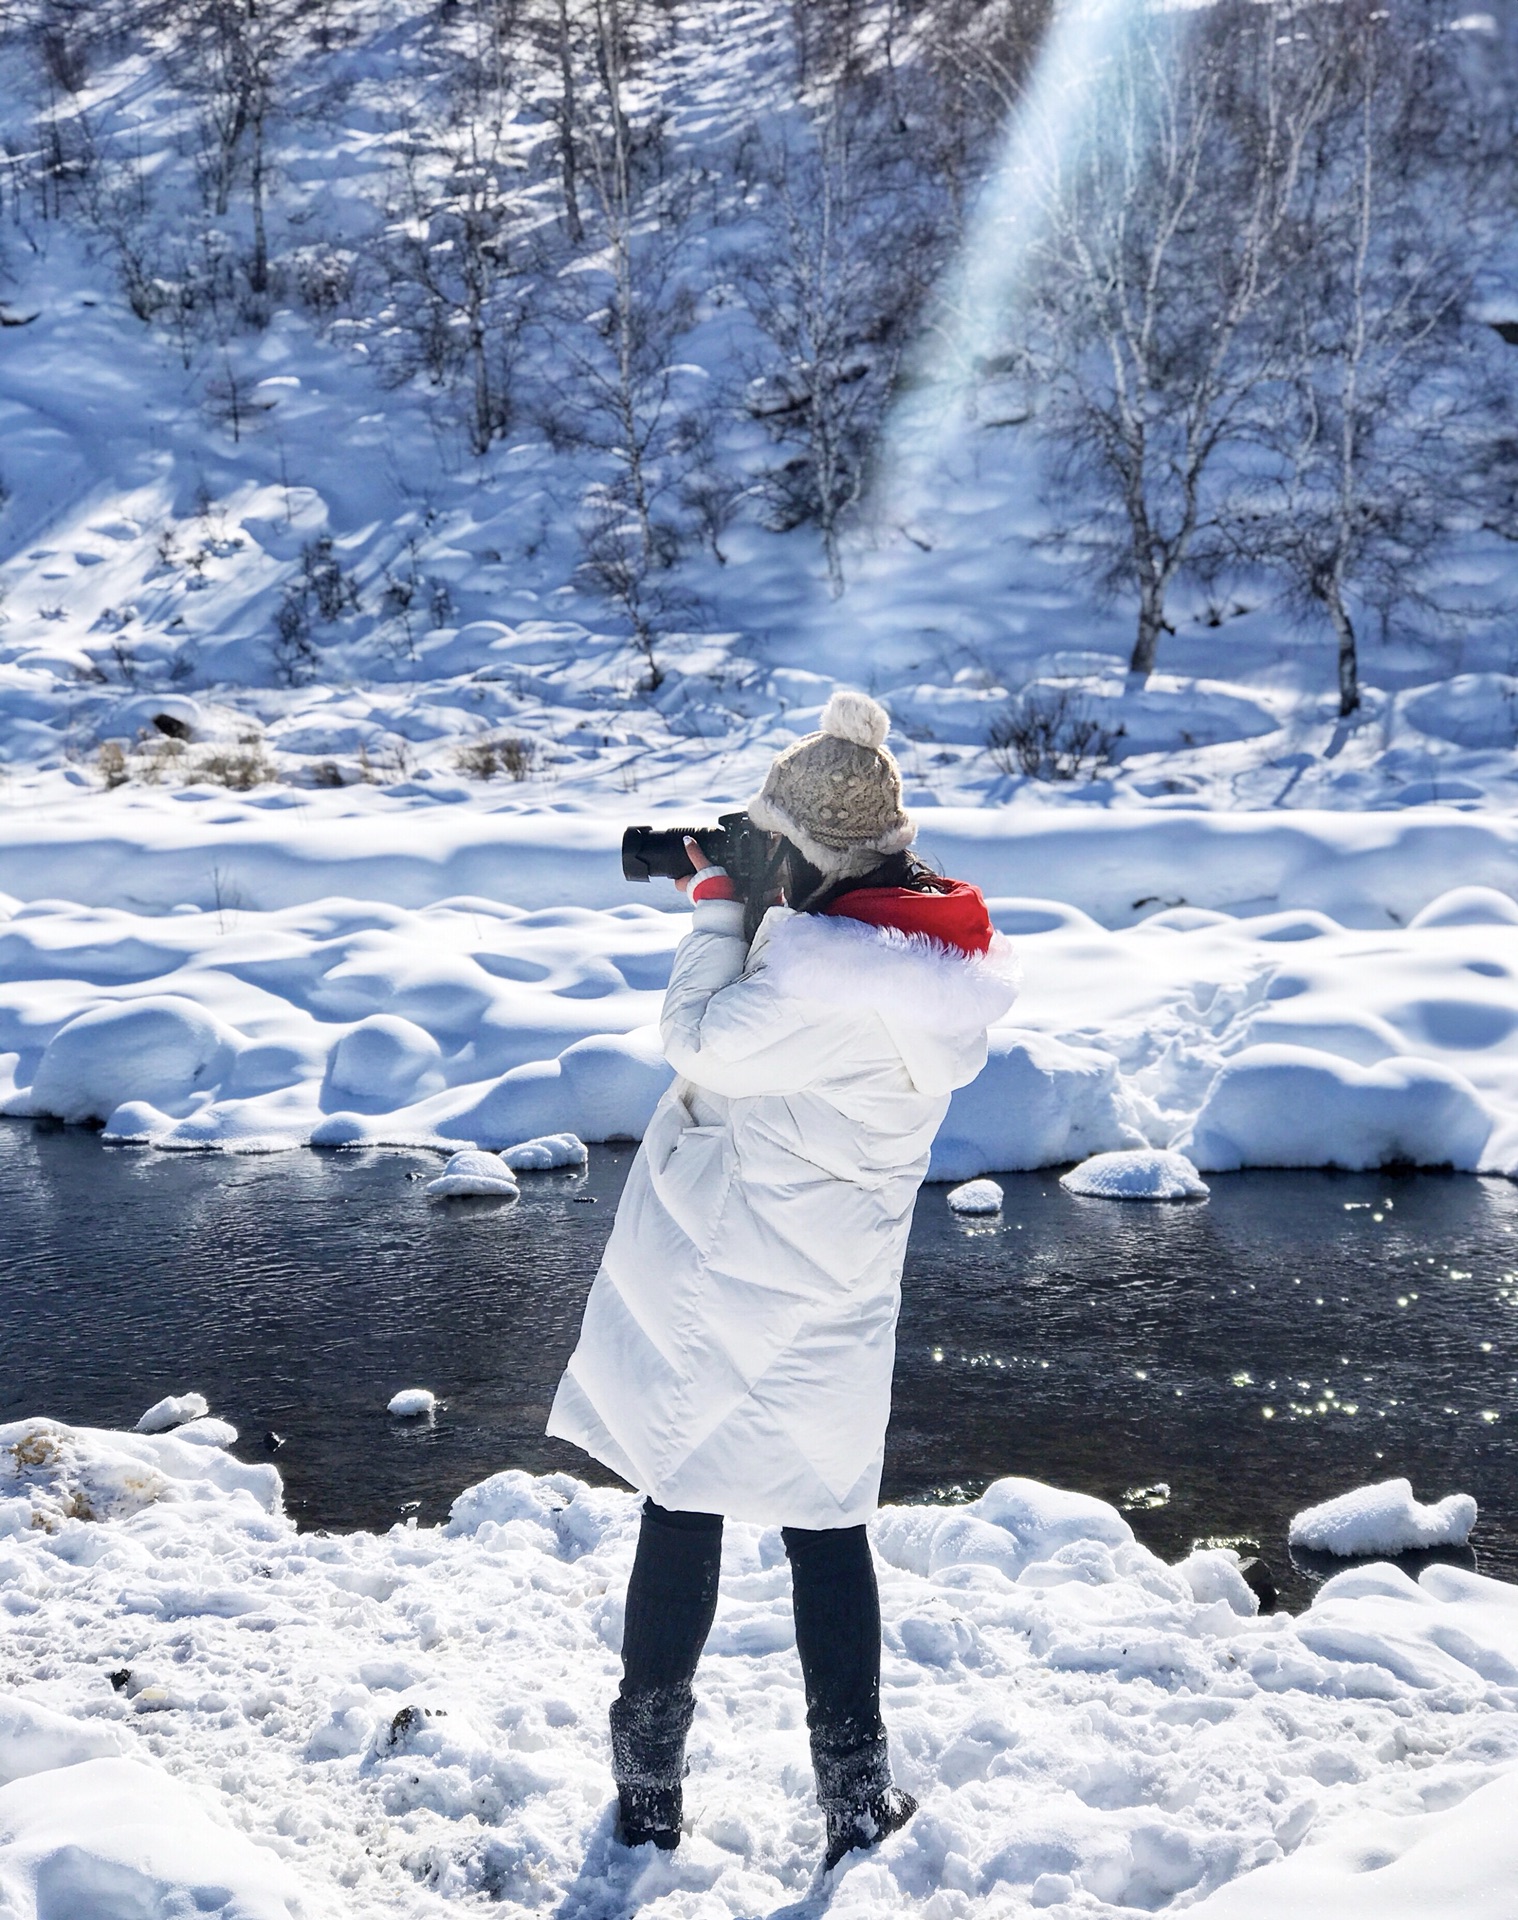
{"x": 258, "y": 1723}
{"x": 1323, "y": 990}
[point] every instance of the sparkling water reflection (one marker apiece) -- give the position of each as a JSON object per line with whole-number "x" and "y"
{"x": 1211, "y": 1368}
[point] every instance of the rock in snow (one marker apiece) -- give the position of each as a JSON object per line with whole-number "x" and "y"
{"x": 411, "y": 1401}
{"x": 474, "y": 1173}
{"x": 976, "y": 1196}
{"x": 173, "y": 1411}
{"x": 1384, "y": 1518}
{"x": 1142, "y": 1173}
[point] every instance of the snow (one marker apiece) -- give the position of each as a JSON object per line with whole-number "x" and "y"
{"x": 173, "y": 1411}
{"x": 411, "y": 1401}
{"x": 367, "y": 1725}
{"x": 542, "y": 1155}
{"x": 1384, "y": 1518}
{"x": 1281, "y": 1037}
{"x": 975, "y": 1196}
{"x": 474, "y": 1173}
{"x": 1140, "y": 1174}
{"x": 1285, "y": 1106}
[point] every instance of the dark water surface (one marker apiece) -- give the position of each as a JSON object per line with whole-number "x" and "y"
{"x": 1093, "y": 1344}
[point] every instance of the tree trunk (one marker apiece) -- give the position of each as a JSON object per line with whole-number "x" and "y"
{"x": 258, "y": 270}
{"x": 1349, "y": 667}
{"x": 1151, "y": 624}
{"x": 566, "y": 119}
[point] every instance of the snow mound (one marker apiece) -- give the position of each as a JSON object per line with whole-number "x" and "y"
{"x": 1384, "y": 1518}
{"x": 1014, "y": 1526}
{"x": 1140, "y": 1173}
{"x": 173, "y": 1411}
{"x": 411, "y": 1401}
{"x": 34, "y": 1739}
{"x": 415, "y": 1719}
{"x": 386, "y": 1058}
{"x": 121, "y": 1840}
{"x": 472, "y": 1173}
{"x": 1468, "y": 907}
{"x": 1036, "y": 1102}
{"x": 1285, "y": 1106}
{"x": 135, "y": 1123}
{"x": 52, "y": 1476}
{"x": 976, "y": 1196}
{"x": 549, "y": 1150}
{"x": 162, "y": 1049}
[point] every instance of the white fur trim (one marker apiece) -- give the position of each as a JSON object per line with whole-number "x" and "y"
{"x": 848, "y": 963}
{"x": 850, "y": 715}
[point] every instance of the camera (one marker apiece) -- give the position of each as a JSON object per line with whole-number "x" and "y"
{"x": 748, "y": 854}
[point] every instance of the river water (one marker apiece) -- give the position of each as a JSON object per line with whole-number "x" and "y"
{"x": 1211, "y": 1367}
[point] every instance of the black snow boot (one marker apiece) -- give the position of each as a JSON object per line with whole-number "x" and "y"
{"x": 648, "y": 1732}
{"x": 861, "y": 1827}
{"x": 671, "y": 1599}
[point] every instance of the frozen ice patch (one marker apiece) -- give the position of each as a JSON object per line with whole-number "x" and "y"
{"x": 1384, "y": 1518}
{"x": 1139, "y": 1173}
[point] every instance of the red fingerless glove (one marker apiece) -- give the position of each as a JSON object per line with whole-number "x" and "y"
{"x": 711, "y": 883}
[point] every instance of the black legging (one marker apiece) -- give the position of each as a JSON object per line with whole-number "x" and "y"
{"x": 671, "y": 1601}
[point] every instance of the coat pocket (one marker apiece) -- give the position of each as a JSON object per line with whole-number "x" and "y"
{"x": 691, "y": 1169}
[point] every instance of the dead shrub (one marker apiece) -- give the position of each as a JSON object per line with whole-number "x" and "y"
{"x": 506, "y": 754}
{"x": 1049, "y": 733}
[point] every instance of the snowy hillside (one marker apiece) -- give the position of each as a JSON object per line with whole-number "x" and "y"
{"x": 251, "y": 534}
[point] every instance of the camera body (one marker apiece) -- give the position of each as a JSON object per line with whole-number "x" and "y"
{"x": 748, "y": 853}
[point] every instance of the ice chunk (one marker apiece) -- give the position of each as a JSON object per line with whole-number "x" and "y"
{"x": 1140, "y": 1173}
{"x": 976, "y": 1196}
{"x": 546, "y": 1151}
{"x": 1384, "y": 1518}
{"x": 474, "y": 1172}
{"x": 208, "y": 1433}
{"x": 411, "y": 1401}
{"x": 173, "y": 1410}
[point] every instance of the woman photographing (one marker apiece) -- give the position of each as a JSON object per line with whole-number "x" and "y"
{"x": 737, "y": 1348}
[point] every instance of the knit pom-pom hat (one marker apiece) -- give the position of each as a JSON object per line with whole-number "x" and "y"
{"x": 836, "y": 794}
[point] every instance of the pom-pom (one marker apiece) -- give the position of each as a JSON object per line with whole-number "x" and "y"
{"x": 855, "y": 716}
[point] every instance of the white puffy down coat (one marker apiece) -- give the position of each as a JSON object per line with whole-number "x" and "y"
{"x": 738, "y": 1341}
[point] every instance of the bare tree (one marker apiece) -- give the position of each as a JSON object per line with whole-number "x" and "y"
{"x": 848, "y": 248}
{"x": 1388, "y": 426}
{"x": 236, "y": 55}
{"x": 1175, "y": 222}
{"x": 456, "y": 250}
{"x": 616, "y": 320}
